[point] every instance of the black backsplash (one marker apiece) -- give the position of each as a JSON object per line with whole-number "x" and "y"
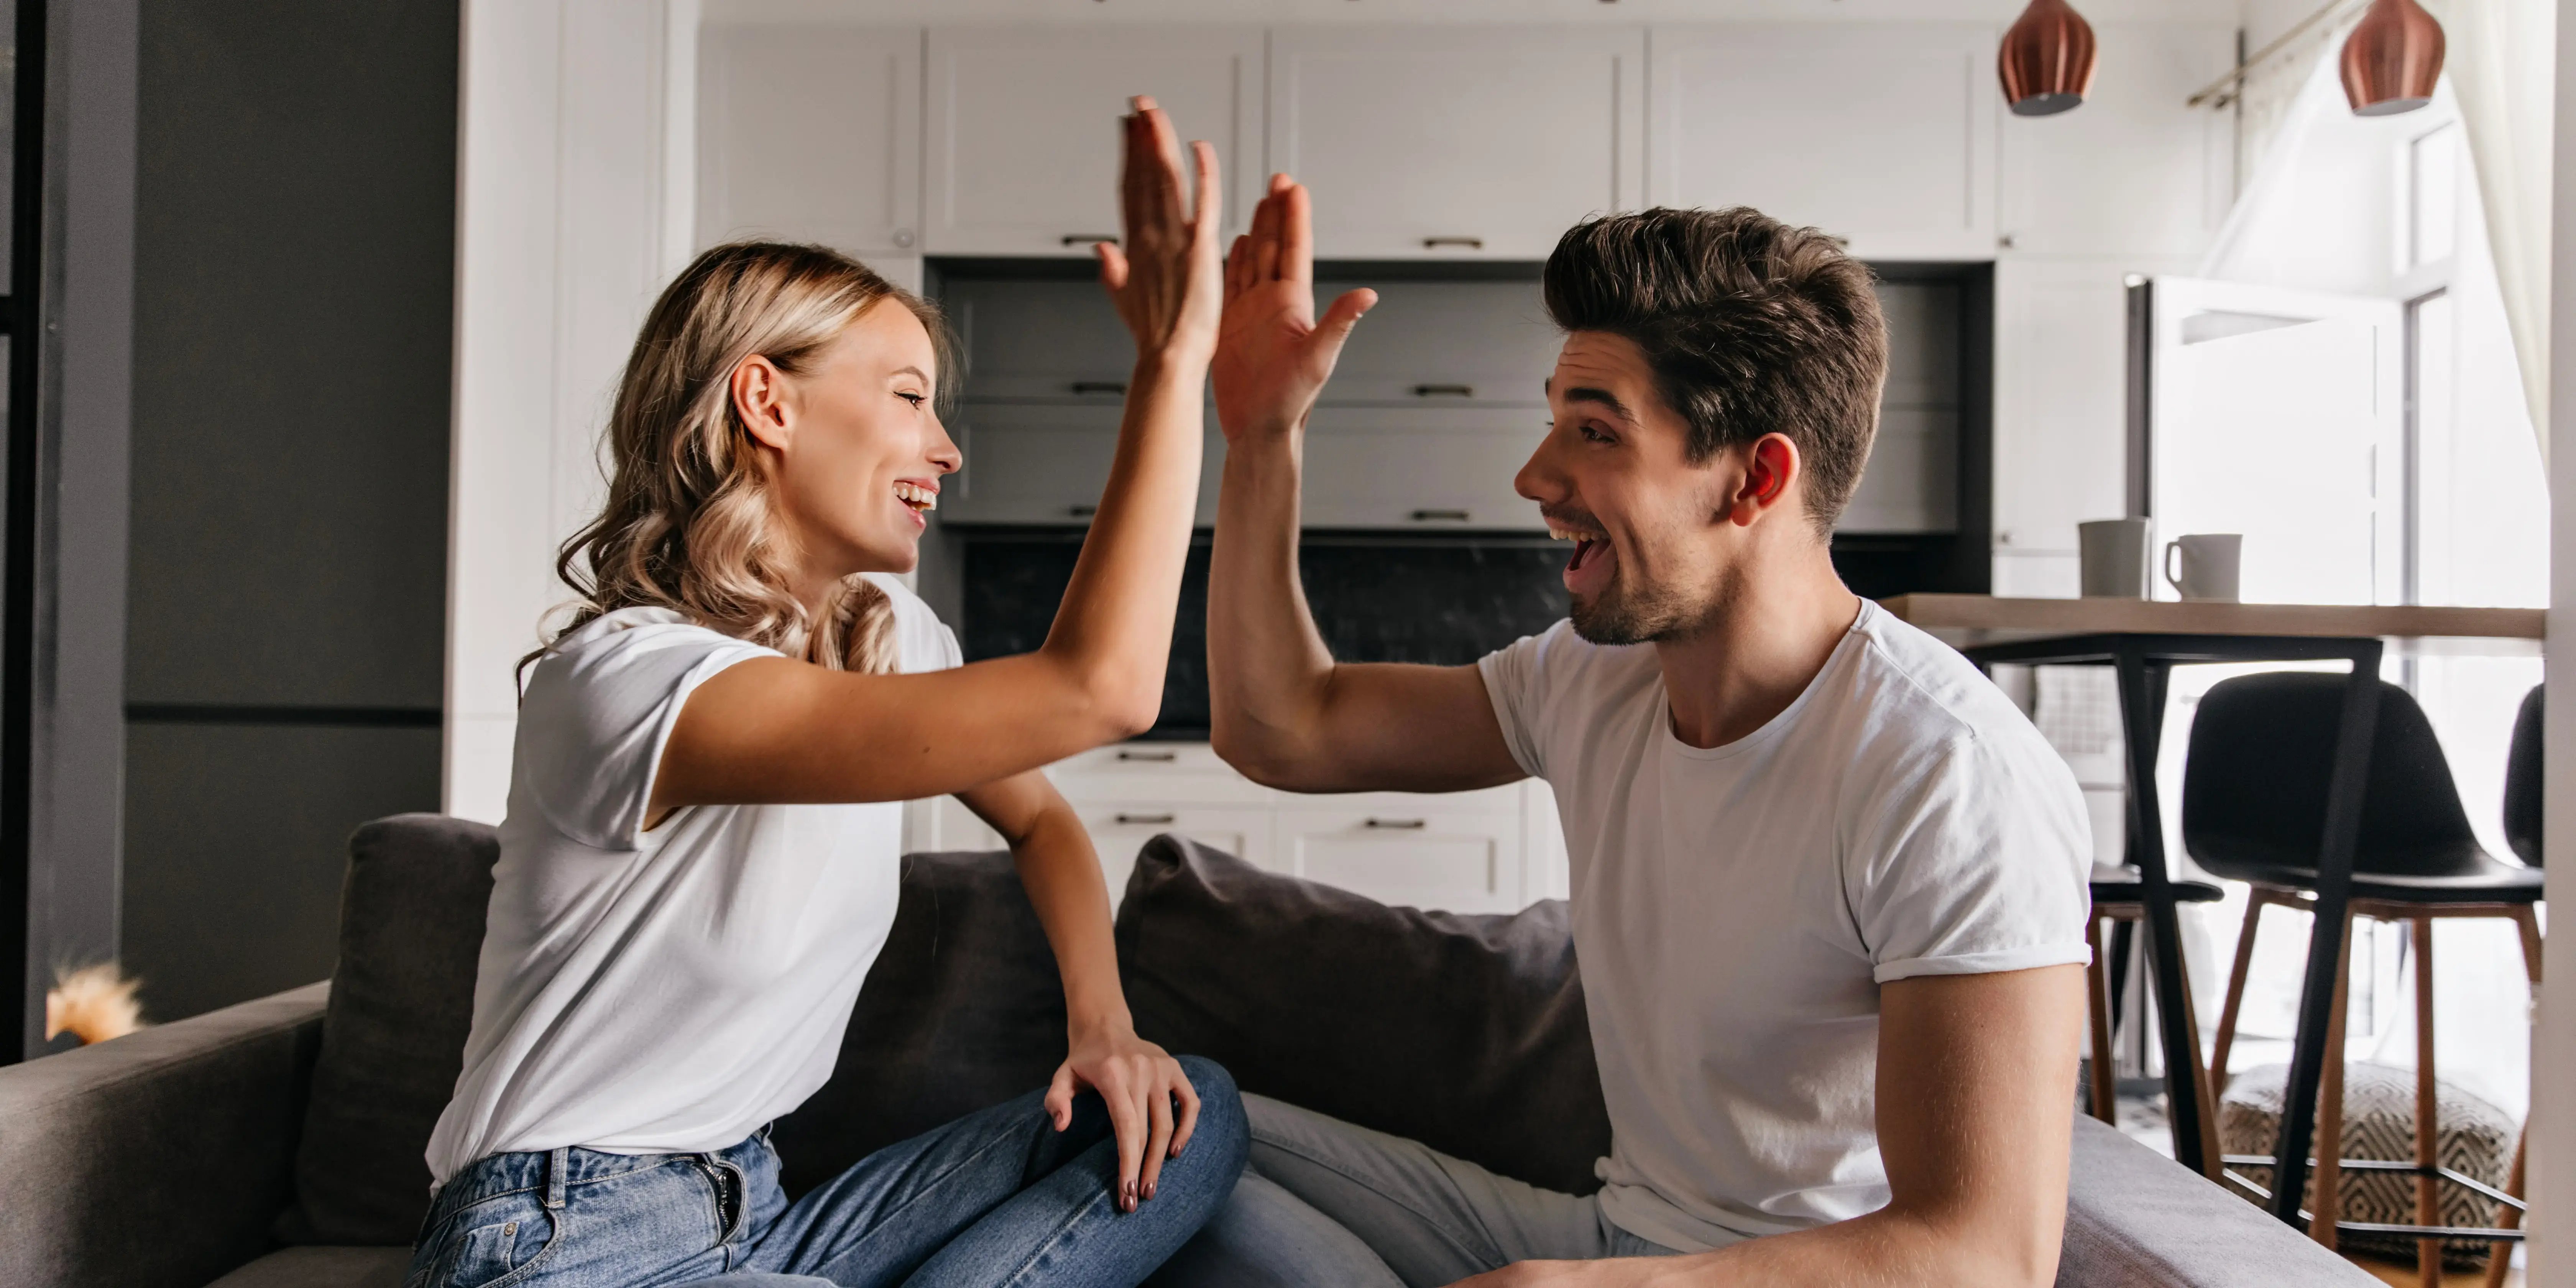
{"x": 1446, "y": 600}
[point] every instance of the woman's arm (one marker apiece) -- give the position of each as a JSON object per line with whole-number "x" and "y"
{"x": 1136, "y": 1079}
{"x": 774, "y": 731}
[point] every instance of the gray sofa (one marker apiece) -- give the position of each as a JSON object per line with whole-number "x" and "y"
{"x": 277, "y": 1144}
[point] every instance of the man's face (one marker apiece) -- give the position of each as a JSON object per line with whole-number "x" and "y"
{"x": 1655, "y": 554}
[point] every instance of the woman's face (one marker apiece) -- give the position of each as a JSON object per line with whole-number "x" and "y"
{"x": 856, "y": 451}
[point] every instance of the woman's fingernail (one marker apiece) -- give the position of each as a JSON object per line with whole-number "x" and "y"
{"x": 1149, "y": 1191}
{"x": 1127, "y": 1195}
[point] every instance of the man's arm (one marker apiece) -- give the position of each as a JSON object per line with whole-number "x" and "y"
{"x": 1284, "y": 712}
{"x": 1976, "y": 1096}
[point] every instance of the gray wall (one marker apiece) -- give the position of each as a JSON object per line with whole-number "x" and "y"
{"x": 294, "y": 258}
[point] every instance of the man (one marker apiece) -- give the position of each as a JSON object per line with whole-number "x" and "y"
{"x": 1828, "y": 884}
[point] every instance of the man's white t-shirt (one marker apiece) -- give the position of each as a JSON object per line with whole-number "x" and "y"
{"x": 1736, "y": 909}
{"x": 664, "y": 991}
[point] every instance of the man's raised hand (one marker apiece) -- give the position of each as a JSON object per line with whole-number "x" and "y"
{"x": 1272, "y": 355}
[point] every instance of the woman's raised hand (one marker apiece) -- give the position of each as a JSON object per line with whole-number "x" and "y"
{"x": 1165, "y": 275}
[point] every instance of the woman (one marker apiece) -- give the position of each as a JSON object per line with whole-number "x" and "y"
{"x": 699, "y": 861}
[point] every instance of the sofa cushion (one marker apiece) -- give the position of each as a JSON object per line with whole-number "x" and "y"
{"x": 2137, "y": 1219}
{"x": 962, "y": 1009}
{"x": 393, "y": 1036}
{"x": 322, "y": 1267}
{"x": 1466, "y": 1033}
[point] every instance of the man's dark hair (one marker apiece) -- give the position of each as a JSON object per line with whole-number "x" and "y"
{"x": 1751, "y": 327}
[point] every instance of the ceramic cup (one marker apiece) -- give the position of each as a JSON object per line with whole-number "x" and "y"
{"x": 2114, "y": 558}
{"x": 2209, "y": 565}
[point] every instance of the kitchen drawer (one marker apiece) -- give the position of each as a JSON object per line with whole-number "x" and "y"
{"x": 1420, "y": 468}
{"x": 1047, "y": 462}
{"x": 1456, "y": 860}
{"x": 1444, "y": 344}
{"x": 1120, "y": 828}
{"x": 1166, "y": 772}
{"x": 1040, "y": 338}
{"x": 1912, "y": 481}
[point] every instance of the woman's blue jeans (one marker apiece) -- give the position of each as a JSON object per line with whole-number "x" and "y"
{"x": 998, "y": 1197}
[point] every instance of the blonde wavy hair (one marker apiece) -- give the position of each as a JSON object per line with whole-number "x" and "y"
{"x": 689, "y": 522}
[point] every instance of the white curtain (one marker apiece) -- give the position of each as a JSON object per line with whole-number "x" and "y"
{"x": 2501, "y": 65}
{"x": 2270, "y": 90}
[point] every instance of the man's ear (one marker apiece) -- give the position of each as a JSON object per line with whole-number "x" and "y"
{"x": 759, "y": 391}
{"x": 1771, "y": 469}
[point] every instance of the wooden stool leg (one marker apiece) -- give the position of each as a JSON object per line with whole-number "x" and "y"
{"x": 2329, "y": 1142}
{"x": 2500, "y": 1257}
{"x": 2254, "y": 904}
{"x": 2097, "y": 992}
{"x": 2428, "y": 1197}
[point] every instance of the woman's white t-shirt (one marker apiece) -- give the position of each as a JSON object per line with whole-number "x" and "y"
{"x": 1737, "y": 908}
{"x": 667, "y": 991}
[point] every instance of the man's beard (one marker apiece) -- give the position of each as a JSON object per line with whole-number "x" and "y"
{"x": 1627, "y": 613}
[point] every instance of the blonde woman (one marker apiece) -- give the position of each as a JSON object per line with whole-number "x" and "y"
{"x": 699, "y": 861}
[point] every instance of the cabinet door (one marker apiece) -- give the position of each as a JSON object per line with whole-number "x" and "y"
{"x": 1442, "y": 343}
{"x": 810, "y": 133}
{"x": 1023, "y": 152}
{"x": 1429, "y": 469}
{"x": 1456, "y": 142}
{"x": 1120, "y": 828}
{"x": 1453, "y": 853}
{"x": 1881, "y": 133}
{"x": 2133, "y": 170}
{"x": 1032, "y": 462}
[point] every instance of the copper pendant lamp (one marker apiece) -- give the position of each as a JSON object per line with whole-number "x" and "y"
{"x": 2392, "y": 59}
{"x": 2046, "y": 62}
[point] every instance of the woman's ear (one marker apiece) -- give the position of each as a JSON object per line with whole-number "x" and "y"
{"x": 760, "y": 399}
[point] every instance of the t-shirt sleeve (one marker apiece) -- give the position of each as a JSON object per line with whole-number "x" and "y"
{"x": 1515, "y": 676}
{"x": 1972, "y": 861}
{"x": 594, "y": 722}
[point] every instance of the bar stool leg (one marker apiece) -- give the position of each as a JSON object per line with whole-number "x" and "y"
{"x": 2255, "y": 901}
{"x": 2428, "y": 1199}
{"x": 2097, "y": 990}
{"x": 2500, "y": 1256}
{"x": 2328, "y": 1173}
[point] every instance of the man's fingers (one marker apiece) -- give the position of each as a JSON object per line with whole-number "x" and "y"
{"x": 1158, "y": 1140}
{"x": 1297, "y": 236}
{"x": 1189, "y": 1098}
{"x": 1059, "y": 1097}
{"x": 1238, "y": 268}
{"x": 1335, "y": 326}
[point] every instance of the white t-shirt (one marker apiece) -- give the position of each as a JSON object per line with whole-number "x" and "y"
{"x": 666, "y": 991}
{"x": 1736, "y": 909}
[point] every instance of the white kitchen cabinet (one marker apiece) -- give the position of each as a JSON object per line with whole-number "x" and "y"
{"x": 1457, "y": 853}
{"x": 1423, "y": 468}
{"x": 813, "y": 135}
{"x": 2133, "y": 170}
{"x": 1457, "y": 141}
{"x": 1880, "y": 133}
{"x": 1030, "y": 462}
{"x": 1022, "y": 155}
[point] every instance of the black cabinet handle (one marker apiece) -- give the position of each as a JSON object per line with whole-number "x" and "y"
{"x": 1440, "y": 516}
{"x": 1132, "y": 756}
{"x": 1444, "y": 391}
{"x": 1088, "y": 239}
{"x": 1435, "y": 243}
{"x": 1082, "y": 511}
{"x": 1396, "y": 824}
{"x": 1145, "y": 820}
{"x": 1100, "y": 386}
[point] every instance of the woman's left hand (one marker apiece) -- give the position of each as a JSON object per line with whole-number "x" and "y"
{"x": 1139, "y": 1082}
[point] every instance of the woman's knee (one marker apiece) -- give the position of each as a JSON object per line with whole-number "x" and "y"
{"x": 1221, "y": 1131}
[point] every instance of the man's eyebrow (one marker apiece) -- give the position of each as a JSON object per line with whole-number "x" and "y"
{"x": 1588, "y": 394}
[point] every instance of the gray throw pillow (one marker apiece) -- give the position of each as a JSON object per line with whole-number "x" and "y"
{"x": 393, "y": 1034}
{"x": 963, "y": 1009}
{"x": 1466, "y": 1033}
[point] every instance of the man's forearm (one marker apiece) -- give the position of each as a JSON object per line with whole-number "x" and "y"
{"x": 1267, "y": 666}
{"x": 1886, "y": 1249}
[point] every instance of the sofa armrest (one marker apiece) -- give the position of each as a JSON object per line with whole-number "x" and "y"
{"x": 157, "y": 1160}
{"x": 2136, "y": 1219}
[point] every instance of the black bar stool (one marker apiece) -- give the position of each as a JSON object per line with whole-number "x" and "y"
{"x": 2119, "y": 895}
{"x": 2254, "y": 787}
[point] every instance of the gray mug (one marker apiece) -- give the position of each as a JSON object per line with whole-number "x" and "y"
{"x": 2210, "y": 565}
{"x": 2114, "y": 558}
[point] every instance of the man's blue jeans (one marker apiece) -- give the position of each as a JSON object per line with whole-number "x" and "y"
{"x": 998, "y": 1197}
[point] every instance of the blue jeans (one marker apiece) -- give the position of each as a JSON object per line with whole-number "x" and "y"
{"x": 998, "y": 1197}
